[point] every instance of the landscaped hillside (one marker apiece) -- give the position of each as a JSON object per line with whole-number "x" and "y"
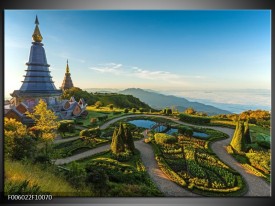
{"x": 160, "y": 101}
{"x": 117, "y": 100}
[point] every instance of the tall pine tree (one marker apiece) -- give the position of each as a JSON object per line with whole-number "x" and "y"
{"x": 247, "y": 137}
{"x": 117, "y": 145}
{"x": 129, "y": 141}
{"x": 122, "y": 139}
{"x": 237, "y": 141}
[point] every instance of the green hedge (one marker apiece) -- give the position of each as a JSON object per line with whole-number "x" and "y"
{"x": 194, "y": 119}
{"x": 94, "y": 132}
{"x": 66, "y": 126}
{"x": 165, "y": 167}
{"x": 162, "y": 138}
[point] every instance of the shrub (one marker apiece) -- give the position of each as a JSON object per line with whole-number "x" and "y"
{"x": 98, "y": 104}
{"x": 84, "y": 133}
{"x": 134, "y": 110}
{"x": 238, "y": 139}
{"x": 188, "y": 132}
{"x": 126, "y": 110}
{"x": 116, "y": 112}
{"x": 111, "y": 106}
{"x": 76, "y": 175}
{"x": 93, "y": 121}
{"x": 123, "y": 156}
{"x": 93, "y": 132}
{"x": 42, "y": 158}
{"x": 66, "y": 126}
{"x": 162, "y": 138}
{"x": 98, "y": 179}
{"x": 22, "y": 148}
{"x": 194, "y": 119}
{"x": 122, "y": 140}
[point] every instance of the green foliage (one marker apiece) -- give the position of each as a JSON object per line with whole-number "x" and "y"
{"x": 129, "y": 141}
{"x": 194, "y": 119}
{"x": 190, "y": 111}
{"x": 238, "y": 141}
{"x": 122, "y": 179}
{"x": 261, "y": 160}
{"x": 98, "y": 104}
{"x": 76, "y": 175}
{"x": 79, "y": 93}
{"x": 98, "y": 178}
{"x": 189, "y": 161}
{"x": 167, "y": 111}
{"x": 102, "y": 118}
{"x": 134, "y": 110}
{"x": 84, "y": 133}
{"x": 111, "y": 106}
{"x": 162, "y": 138}
{"x": 117, "y": 145}
{"x": 255, "y": 116}
{"x": 247, "y": 137}
{"x": 117, "y": 112}
{"x": 126, "y": 110}
{"x": 92, "y": 133}
{"x": 122, "y": 142}
{"x": 45, "y": 177}
{"x": 45, "y": 121}
{"x": 18, "y": 145}
{"x": 188, "y": 132}
{"x": 76, "y": 146}
{"x": 22, "y": 188}
{"x": 66, "y": 126}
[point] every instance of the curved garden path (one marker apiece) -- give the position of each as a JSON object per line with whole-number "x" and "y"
{"x": 256, "y": 185}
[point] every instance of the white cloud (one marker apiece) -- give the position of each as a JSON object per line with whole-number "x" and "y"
{"x": 136, "y": 72}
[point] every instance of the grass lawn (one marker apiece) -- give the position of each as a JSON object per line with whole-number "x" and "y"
{"x": 259, "y": 133}
{"x": 44, "y": 176}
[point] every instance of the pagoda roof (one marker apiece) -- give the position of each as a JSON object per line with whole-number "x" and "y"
{"x": 37, "y": 80}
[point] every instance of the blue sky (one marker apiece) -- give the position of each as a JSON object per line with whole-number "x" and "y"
{"x": 160, "y": 50}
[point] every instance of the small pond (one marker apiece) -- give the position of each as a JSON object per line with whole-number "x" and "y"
{"x": 147, "y": 124}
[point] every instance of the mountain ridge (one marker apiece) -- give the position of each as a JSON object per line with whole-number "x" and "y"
{"x": 160, "y": 101}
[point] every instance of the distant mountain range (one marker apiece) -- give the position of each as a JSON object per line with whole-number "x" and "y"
{"x": 160, "y": 101}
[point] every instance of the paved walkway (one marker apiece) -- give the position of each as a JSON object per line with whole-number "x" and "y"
{"x": 81, "y": 155}
{"x": 68, "y": 139}
{"x": 165, "y": 185}
{"x": 256, "y": 185}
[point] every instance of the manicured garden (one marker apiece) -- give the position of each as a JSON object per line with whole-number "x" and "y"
{"x": 74, "y": 147}
{"x": 116, "y": 178}
{"x": 190, "y": 162}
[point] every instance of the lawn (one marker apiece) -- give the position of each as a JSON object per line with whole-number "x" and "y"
{"x": 45, "y": 177}
{"x": 259, "y": 133}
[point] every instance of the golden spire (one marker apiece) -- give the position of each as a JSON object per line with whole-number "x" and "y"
{"x": 67, "y": 68}
{"x": 37, "y": 37}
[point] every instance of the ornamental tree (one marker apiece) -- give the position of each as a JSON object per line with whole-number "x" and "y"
{"x": 45, "y": 122}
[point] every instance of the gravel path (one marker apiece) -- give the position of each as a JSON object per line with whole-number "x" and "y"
{"x": 82, "y": 155}
{"x": 68, "y": 139}
{"x": 165, "y": 185}
{"x": 256, "y": 185}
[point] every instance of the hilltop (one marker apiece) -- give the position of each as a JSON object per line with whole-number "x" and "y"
{"x": 118, "y": 100}
{"x": 159, "y": 101}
